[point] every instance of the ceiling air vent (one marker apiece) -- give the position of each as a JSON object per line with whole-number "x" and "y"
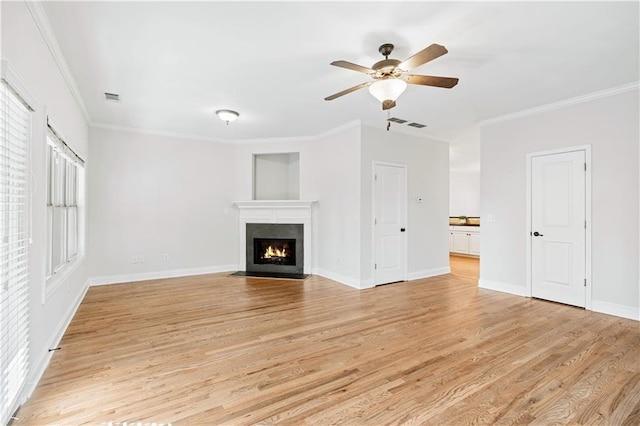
{"x": 397, "y": 120}
{"x": 112, "y": 97}
{"x": 417, "y": 125}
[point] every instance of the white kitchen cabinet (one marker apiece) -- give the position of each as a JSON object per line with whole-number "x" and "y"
{"x": 464, "y": 240}
{"x": 474, "y": 243}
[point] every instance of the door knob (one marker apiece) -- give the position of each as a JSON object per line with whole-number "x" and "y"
{"x": 402, "y": 229}
{"x": 537, "y": 234}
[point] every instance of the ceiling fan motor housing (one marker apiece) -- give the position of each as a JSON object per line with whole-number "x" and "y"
{"x": 387, "y": 67}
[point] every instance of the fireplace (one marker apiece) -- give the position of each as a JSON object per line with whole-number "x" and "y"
{"x": 290, "y": 220}
{"x": 268, "y": 251}
{"x": 275, "y": 249}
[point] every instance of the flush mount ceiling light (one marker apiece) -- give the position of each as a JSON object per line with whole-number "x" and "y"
{"x": 387, "y": 91}
{"x": 227, "y": 115}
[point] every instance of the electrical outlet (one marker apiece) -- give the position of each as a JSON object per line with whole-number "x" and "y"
{"x": 141, "y": 259}
{"x": 134, "y": 259}
{"x": 165, "y": 257}
{"x": 137, "y": 258}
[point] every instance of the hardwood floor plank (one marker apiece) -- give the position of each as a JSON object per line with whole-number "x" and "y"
{"x": 214, "y": 349}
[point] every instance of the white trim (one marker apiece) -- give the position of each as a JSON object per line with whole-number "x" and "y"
{"x": 630, "y": 312}
{"x": 156, "y": 132}
{"x": 52, "y": 283}
{"x": 42, "y": 22}
{"x": 179, "y": 135}
{"x": 342, "y": 279}
{"x": 275, "y": 211}
{"x": 404, "y": 129}
{"x": 562, "y": 104}
{"x": 428, "y": 273}
{"x": 348, "y": 125}
{"x": 145, "y": 276}
{"x": 18, "y": 84}
{"x": 588, "y": 205}
{"x": 373, "y": 216}
{"x": 503, "y": 287}
{"x": 280, "y": 204}
{"x": 43, "y": 361}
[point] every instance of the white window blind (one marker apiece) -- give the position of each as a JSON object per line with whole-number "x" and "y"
{"x": 15, "y": 134}
{"x": 63, "y": 175}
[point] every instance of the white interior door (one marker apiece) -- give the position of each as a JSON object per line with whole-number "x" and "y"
{"x": 558, "y": 222}
{"x": 390, "y": 206}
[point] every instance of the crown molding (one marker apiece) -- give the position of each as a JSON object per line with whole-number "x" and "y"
{"x": 177, "y": 135}
{"x": 354, "y": 123}
{"x": 562, "y": 104}
{"x": 405, "y": 130}
{"x": 343, "y": 127}
{"x": 9, "y": 74}
{"x": 42, "y": 22}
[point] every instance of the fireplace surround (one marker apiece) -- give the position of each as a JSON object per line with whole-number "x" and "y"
{"x": 281, "y": 212}
{"x": 275, "y": 248}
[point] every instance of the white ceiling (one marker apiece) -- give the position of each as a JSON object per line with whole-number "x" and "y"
{"x": 175, "y": 63}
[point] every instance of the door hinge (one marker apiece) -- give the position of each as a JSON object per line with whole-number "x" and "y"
{"x": 585, "y": 282}
{"x": 375, "y": 266}
{"x": 375, "y": 177}
{"x": 375, "y": 221}
{"x": 585, "y": 224}
{"x": 585, "y": 167}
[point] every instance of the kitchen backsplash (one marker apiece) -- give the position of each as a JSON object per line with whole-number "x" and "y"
{"x": 473, "y": 221}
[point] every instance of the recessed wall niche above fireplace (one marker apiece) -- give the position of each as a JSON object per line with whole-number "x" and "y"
{"x": 273, "y": 235}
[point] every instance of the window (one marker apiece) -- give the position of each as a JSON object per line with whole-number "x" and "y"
{"x": 64, "y": 172}
{"x": 15, "y": 135}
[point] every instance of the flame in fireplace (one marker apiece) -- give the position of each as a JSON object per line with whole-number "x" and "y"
{"x": 274, "y": 252}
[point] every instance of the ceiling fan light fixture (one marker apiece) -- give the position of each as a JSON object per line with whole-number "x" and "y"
{"x": 388, "y": 89}
{"x": 227, "y": 115}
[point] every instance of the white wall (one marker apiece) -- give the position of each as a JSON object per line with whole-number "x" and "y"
{"x": 464, "y": 193}
{"x": 154, "y": 195}
{"x": 427, "y": 163}
{"x": 25, "y": 49}
{"x": 611, "y": 126}
{"x": 330, "y": 174}
{"x": 464, "y": 150}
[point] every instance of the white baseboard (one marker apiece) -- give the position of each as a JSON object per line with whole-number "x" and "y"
{"x": 609, "y": 308}
{"x": 145, "y": 276}
{"x": 43, "y": 361}
{"x": 351, "y": 282}
{"x": 503, "y": 287}
{"x": 427, "y": 273}
{"x": 364, "y": 284}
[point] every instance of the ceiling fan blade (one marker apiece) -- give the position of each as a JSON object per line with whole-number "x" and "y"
{"x": 422, "y": 57}
{"x": 429, "y": 80}
{"x": 352, "y": 66}
{"x": 347, "y": 91}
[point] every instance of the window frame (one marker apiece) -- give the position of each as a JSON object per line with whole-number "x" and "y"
{"x": 63, "y": 196}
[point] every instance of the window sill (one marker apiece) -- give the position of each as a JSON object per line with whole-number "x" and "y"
{"x": 53, "y": 283}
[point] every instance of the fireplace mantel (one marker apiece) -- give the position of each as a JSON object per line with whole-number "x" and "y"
{"x": 284, "y": 204}
{"x": 275, "y": 211}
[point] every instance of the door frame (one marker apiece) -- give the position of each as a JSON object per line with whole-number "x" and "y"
{"x": 373, "y": 217}
{"x": 587, "y": 151}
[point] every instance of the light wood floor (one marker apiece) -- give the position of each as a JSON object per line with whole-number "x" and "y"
{"x": 227, "y": 350}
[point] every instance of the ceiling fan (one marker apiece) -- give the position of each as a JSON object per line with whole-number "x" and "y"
{"x": 390, "y": 76}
